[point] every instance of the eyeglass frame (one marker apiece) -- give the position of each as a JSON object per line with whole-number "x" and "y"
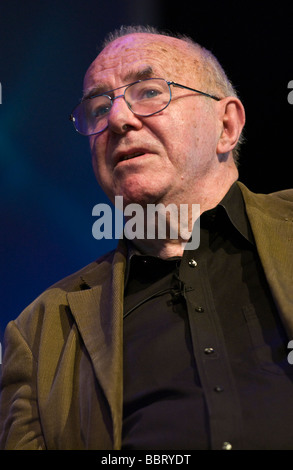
{"x": 112, "y": 99}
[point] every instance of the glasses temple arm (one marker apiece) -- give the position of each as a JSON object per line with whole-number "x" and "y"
{"x": 193, "y": 89}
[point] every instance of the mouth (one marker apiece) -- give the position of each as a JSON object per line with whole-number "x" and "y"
{"x": 129, "y": 155}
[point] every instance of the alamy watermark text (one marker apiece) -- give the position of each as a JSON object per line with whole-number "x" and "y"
{"x": 156, "y": 221}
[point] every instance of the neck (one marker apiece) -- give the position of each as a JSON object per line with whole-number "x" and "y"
{"x": 178, "y": 218}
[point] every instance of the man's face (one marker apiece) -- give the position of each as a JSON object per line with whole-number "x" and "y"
{"x": 170, "y": 151}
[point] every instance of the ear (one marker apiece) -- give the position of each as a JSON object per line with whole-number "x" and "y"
{"x": 232, "y": 119}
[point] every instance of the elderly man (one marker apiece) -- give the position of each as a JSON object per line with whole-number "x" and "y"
{"x": 156, "y": 346}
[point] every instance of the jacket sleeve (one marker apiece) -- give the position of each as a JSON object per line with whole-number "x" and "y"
{"x": 20, "y": 426}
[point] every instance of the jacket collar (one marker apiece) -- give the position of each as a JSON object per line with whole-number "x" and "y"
{"x": 271, "y": 219}
{"x": 98, "y": 312}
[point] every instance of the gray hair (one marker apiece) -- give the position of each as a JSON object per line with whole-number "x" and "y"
{"x": 211, "y": 72}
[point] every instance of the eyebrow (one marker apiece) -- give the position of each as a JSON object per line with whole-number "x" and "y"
{"x": 146, "y": 72}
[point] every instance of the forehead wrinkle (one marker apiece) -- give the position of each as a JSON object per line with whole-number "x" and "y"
{"x": 173, "y": 56}
{"x": 132, "y": 75}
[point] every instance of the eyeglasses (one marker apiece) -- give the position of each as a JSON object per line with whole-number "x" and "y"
{"x": 143, "y": 98}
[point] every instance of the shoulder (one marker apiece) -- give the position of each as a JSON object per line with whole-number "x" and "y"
{"x": 86, "y": 277}
{"x": 277, "y": 205}
{"x": 51, "y": 307}
{"x": 93, "y": 274}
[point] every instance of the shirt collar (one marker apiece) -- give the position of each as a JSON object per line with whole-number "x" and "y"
{"x": 234, "y": 207}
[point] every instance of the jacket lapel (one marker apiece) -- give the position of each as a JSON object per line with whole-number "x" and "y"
{"x": 98, "y": 312}
{"x": 271, "y": 222}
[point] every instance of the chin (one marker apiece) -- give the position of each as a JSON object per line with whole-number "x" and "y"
{"x": 138, "y": 197}
{"x": 138, "y": 190}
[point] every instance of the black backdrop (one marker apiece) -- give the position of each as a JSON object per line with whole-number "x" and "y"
{"x": 254, "y": 43}
{"x": 47, "y": 186}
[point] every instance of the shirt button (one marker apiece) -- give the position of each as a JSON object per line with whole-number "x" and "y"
{"x": 192, "y": 263}
{"x": 199, "y": 309}
{"x": 218, "y": 389}
{"x": 227, "y": 446}
{"x": 209, "y": 350}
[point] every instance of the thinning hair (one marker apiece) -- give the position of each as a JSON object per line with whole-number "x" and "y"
{"x": 209, "y": 69}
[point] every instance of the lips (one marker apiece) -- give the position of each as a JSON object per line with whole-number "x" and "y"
{"x": 129, "y": 154}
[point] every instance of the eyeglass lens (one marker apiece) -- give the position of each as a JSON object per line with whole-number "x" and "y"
{"x": 143, "y": 98}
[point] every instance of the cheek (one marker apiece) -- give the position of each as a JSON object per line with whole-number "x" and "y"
{"x": 192, "y": 143}
{"x": 199, "y": 131}
{"x": 184, "y": 119}
{"x": 96, "y": 144}
{"x": 97, "y": 147}
{"x": 183, "y": 135}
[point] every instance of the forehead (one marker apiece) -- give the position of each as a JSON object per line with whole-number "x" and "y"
{"x": 125, "y": 57}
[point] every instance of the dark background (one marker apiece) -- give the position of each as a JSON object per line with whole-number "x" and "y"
{"x": 47, "y": 186}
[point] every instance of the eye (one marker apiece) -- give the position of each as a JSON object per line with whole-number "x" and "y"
{"x": 149, "y": 93}
{"x": 100, "y": 111}
{"x": 100, "y": 106}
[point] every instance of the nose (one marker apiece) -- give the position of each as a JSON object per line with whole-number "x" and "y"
{"x": 121, "y": 118}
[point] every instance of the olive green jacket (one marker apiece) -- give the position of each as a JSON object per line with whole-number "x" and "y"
{"x": 62, "y": 369}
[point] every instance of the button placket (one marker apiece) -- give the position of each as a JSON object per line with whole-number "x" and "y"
{"x": 210, "y": 354}
{"x": 192, "y": 263}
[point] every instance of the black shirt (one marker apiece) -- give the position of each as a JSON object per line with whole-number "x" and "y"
{"x": 205, "y": 353}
